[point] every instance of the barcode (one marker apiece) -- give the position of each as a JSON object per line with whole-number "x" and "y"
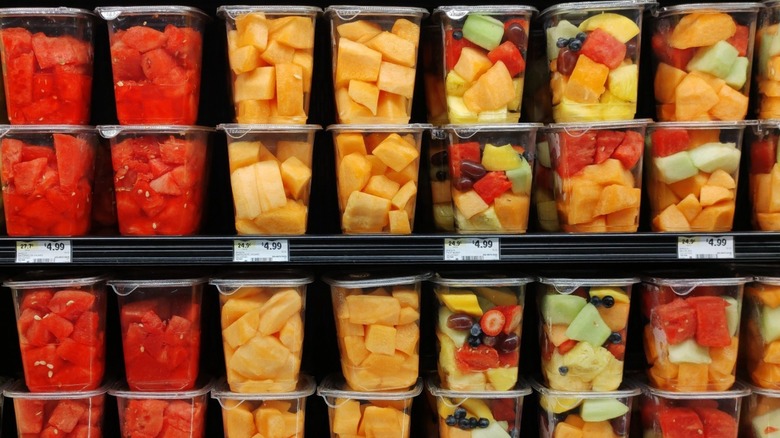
{"x": 706, "y": 256}
{"x": 472, "y": 258}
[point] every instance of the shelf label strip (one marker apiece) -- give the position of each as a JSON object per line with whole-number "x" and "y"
{"x": 705, "y": 247}
{"x": 277, "y": 250}
{"x": 472, "y": 249}
{"x": 44, "y": 251}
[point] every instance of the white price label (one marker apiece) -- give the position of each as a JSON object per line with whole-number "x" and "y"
{"x": 705, "y": 247}
{"x": 261, "y": 251}
{"x": 44, "y": 251}
{"x": 472, "y": 249}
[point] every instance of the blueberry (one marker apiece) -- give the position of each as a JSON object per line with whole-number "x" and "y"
{"x": 457, "y": 35}
{"x": 473, "y": 422}
{"x": 581, "y": 36}
{"x": 440, "y": 158}
{"x": 562, "y": 42}
{"x": 460, "y": 413}
{"x": 596, "y": 301}
{"x": 575, "y": 45}
{"x": 474, "y": 341}
{"x": 563, "y": 370}
{"x": 608, "y": 301}
{"x": 464, "y": 424}
{"x": 450, "y": 420}
{"x": 483, "y": 423}
{"x": 476, "y": 330}
{"x": 615, "y": 338}
{"x": 441, "y": 175}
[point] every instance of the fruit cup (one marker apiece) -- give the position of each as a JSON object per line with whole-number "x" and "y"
{"x": 61, "y": 321}
{"x": 433, "y": 75}
{"x": 439, "y": 175}
{"x": 103, "y": 197}
{"x": 667, "y": 414}
{"x": 53, "y": 414}
{"x": 270, "y": 174}
{"x": 377, "y": 169}
{"x": 3, "y": 110}
{"x": 593, "y": 57}
{"x": 692, "y": 176}
{"x": 47, "y": 56}
{"x": 582, "y": 332}
{"x": 156, "y": 61}
{"x": 768, "y": 76}
{"x": 761, "y": 413}
{"x": 47, "y": 179}
{"x": 162, "y": 414}
{"x": 478, "y": 414}
{"x": 763, "y": 335}
{"x": 478, "y": 328}
{"x": 702, "y": 55}
{"x": 764, "y": 171}
{"x": 385, "y": 413}
{"x": 691, "y": 332}
{"x": 543, "y": 196}
{"x": 577, "y": 413}
{"x": 279, "y": 414}
{"x": 490, "y": 175}
{"x": 159, "y": 178}
{"x": 374, "y": 52}
{"x": 378, "y": 327}
{"x": 270, "y": 51}
{"x": 160, "y": 323}
{"x": 484, "y": 61}
{"x": 262, "y": 329}
{"x": 598, "y": 175}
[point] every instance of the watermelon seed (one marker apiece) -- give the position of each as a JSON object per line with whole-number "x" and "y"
{"x": 142, "y": 348}
{"x": 70, "y": 303}
{"x": 50, "y": 366}
{"x": 50, "y": 374}
{"x": 37, "y": 318}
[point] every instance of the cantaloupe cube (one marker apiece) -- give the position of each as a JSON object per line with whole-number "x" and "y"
{"x": 732, "y": 105}
{"x": 468, "y": 203}
{"x": 393, "y": 108}
{"x": 371, "y": 309}
{"x": 296, "y": 177}
{"x": 380, "y": 339}
{"x": 399, "y": 222}
{"x": 651, "y": 351}
{"x": 575, "y": 420}
{"x": 354, "y": 171}
{"x": 700, "y": 29}
{"x": 717, "y": 217}
{"x": 359, "y": 30}
{"x": 379, "y": 168}
{"x": 406, "y": 296}
{"x": 346, "y": 328}
{"x": 407, "y": 338}
{"x": 355, "y": 349}
{"x": 666, "y": 112}
{"x": 252, "y": 31}
{"x": 566, "y": 430}
{"x": 406, "y": 194}
{"x": 290, "y": 220}
{"x": 258, "y": 84}
{"x": 365, "y": 213}
{"x": 346, "y": 417}
{"x": 597, "y": 225}
{"x": 694, "y": 97}
{"x": 364, "y": 93}
{"x": 380, "y": 422}
{"x": 277, "y": 53}
{"x": 394, "y": 48}
{"x": 278, "y": 310}
{"x": 397, "y": 79}
{"x": 350, "y": 142}
{"x": 254, "y": 111}
{"x": 725, "y": 358}
{"x": 667, "y": 78}
{"x": 617, "y": 197}
{"x": 291, "y": 333}
{"x": 289, "y": 90}
{"x": 408, "y": 315}
{"x": 305, "y": 60}
{"x": 584, "y": 198}
{"x": 626, "y": 220}
{"x": 714, "y": 82}
{"x": 407, "y": 30}
{"x": 361, "y": 378}
{"x": 396, "y": 152}
{"x": 692, "y": 377}
{"x": 774, "y": 198}
{"x": 690, "y": 185}
{"x": 512, "y": 211}
{"x": 690, "y": 207}
{"x": 493, "y": 90}
{"x": 664, "y": 370}
{"x": 302, "y": 150}
{"x": 382, "y": 186}
{"x": 349, "y": 110}
{"x": 296, "y": 32}
{"x": 472, "y": 64}
{"x": 698, "y": 137}
{"x": 768, "y": 221}
{"x": 270, "y": 187}
{"x": 587, "y": 81}
{"x": 768, "y": 87}
{"x": 274, "y": 354}
{"x": 243, "y": 329}
{"x": 597, "y": 429}
{"x": 662, "y": 195}
{"x": 239, "y": 422}
{"x": 710, "y": 195}
{"x": 234, "y": 308}
{"x": 722, "y": 179}
{"x": 246, "y": 198}
{"x": 671, "y": 219}
{"x": 244, "y": 59}
{"x": 232, "y": 40}
{"x": 406, "y": 175}
{"x": 269, "y": 422}
{"x": 294, "y": 424}
{"x": 356, "y": 61}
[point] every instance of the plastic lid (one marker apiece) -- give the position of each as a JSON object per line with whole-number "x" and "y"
{"x": 740, "y": 124}
{"x": 774, "y": 281}
{"x": 235, "y": 10}
{"x": 716, "y": 7}
{"x": 111, "y": 131}
{"x": 470, "y": 129}
{"x": 120, "y": 389}
{"x": 335, "y": 386}
{"x": 236, "y": 130}
{"x": 694, "y": 282}
{"x": 413, "y": 127}
{"x": 773, "y": 393}
{"x": 628, "y": 390}
{"x": 738, "y": 390}
{"x": 46, "y": 129}
{"x": 231, "y": 282}
{"x": 222, "y": 392}
{"x": 17, "y": 389}
{"x": 113, "y": 12}
{"x": 373, "y": 279}
{"x": 467, "y": 279}
{"x": 47, "y": 278}
{"x": 460, "y": 11}
{"x": 350, "y": 12}
{"x": 48, "y": 12}
{"x": 556, "y": 127}
{"x": 569, "y": 285}
{"x": 602, "y": 6}
{"x": 520, "y": 390}
{"x": 127, "y": 286}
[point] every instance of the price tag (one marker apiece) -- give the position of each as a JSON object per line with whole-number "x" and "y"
{"x": 261, "y": 251}
{"x": 44, "y": 251}
{"x": 705, "y": 247}
{"x": 472, "y": 249}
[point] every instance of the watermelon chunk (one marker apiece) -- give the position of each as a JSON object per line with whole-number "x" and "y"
{"x": 630, "y": 150}
{"x": 677, "y": 58}
{"x": 677, "y": 320}
{"x": 492, "y": 185}
{"x": 669, "y": 141}
{"x": 680, "y": 423}
{"x": 600, "y": 46}
{"x": 60, "y": 50}
{"x": 16, "y": 40}
{"x": 711, "y": 321}
{"x": 508, "y": 53}
{"x": 606, "y": 143}
{"x": 144, "y": 417}
{"x": 29, "y": 415}
{"x": 27, "y": 175}
{"x": 71, "y": 303}
{"x": 740, "y": 39}
{"x": 462, "y": 152}
{"x": 66, "y": 415}
{"x": 75, "y": 158}
{"x": 576, "y": 151}
{"x": 717, "y": 424}
{"x": 143, "y": 38}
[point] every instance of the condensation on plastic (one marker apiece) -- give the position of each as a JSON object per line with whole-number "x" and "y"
{"x": 48, "y": 279}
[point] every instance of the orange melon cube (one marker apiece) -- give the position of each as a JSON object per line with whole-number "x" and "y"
{"x": 365, "y": 213}
{"x": 597, "y": 429}
{"x": 278, "y": 310}
{"x": 512, "y": 211}
{"x": 348, "y": 143}
{"x": 615, "y": 317}
{"x": 597, "y": 225}
{"x": 239, "y": 421}
{"x": 380, "y": 339}
{"x": 671, "y": 219}
{"x": 566, "y": 430}
{"x": 692, "y": 377}
{"x": 396, "y": 152}
{"x": 399, "y": 222}
{"x": 769, "y": 295}
{"x": 288, "y": 219}
{"x": 258, "y": 84}
{"x": 575, "y": 420}
{"x": 346, "y": 417}
{"x": 472, "y": 64}
{"x": 664, "y": 370}
{"x": 354, "y": 349}
{"x": 698, "y": 137}
{"x": 253, "y": 111}
{"x": 373, "y": 309}
{"x": 587, "y": 81}
{"x": 626, "y": 220}
{"x": 296, "y": 177}
{"x": 349, "y": 110}
{"x": 690, "y": 207}
{"x": 492, "y": 91}
{"x": 407, "y": 174}
{"x": 468, "y": 203}
{"x": 666, "y": 112}
{"x": 407, "y": 338}
{"x": 408, "y": 297}
{"x": 724, "y": 359}
{"x": 346, "y": 328}
{"x": 291, "y": 334}
{"x": 768, "y": 221}
{"x": 406, "y": 30}
{"x": 380, "y": 422}
{"x": 305, "y": 60}
{"x": 354, "y": 171}
{"x": 392, "y": 107}
{"x": 710, "y": 195}
{"x": 276, "y": 53}
{"x": 405, "y": 195}
{"x": 609, "y": 172}
{"x": 584, "y": 198}
{"x": 269, "y": 422}
{"x": 719, "y": 381}
{"x": 394, "y": 48}
{"x": 774, "y": 199}
{"x": 769, "y": 87}
{"x": 773, "y": 68}
{"x": 396, "y": 79}
{"x": 714, "y": 82}
{"x": 651, "y": 351}
{"x": 379, "y": 168}
{"x": 364, "y": 93}
{"x": 766, "y": 374}
{"x": 301, "y": 150}
{"x": 359, "y": 30}
{"x": 772, "y": 353}
{"x": 244, "y": 59}
{"x": 252, "y": 30}
{"x": 717, "y": 217}
{"x": 295, "y": 32}
{"x": 617, "y": 197}
{"x": 700, "y": 29}
{"x": 690, "y": 185}
{"x": 662, "y": 195}
{"x": 289, "y": 90}
{"x": 693, "y": 98}
{"x": 356, "y": 61}
{"x": 269, "y": 185}
{"x": 667, "y": 78}
{"x": 722, "y": 179}
{"x": 770, "y": 107}
{"x": 382, "y": 186}
{"x": 732, "y": 105}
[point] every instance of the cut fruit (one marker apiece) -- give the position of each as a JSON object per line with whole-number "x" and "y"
{"x": 589, "y": 327}
{"x": 561, "y": 309}
{"x": 602, "y": 409}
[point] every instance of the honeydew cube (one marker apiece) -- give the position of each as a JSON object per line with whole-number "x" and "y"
{"x": 394, "y": 48}
{"x": 396, "y": 152}
{"x": 296, "y": 177}
{"x": 380, "y": 339}
{"x": 359, "y": 30}
{"x": 289, "y": 90}
{"x": 243, "y": 329}
{"x": 492, "y": 91}
{"x": 382, "y": 186}
{"x": 365, "y": 213}
{"x": 675, "y": 167}
{"x": 364, "y": 93}
{"x": 483, "y": 30}
{"x": 305, "y": 60}
{"x": 405, "y": 194}
{"x": 350, "y": 142}
{"x": 713, "y": 156}
{"x": 356, "y": 61}
{"x": 258, "y": 84}
{"x": 521, "y": 177}
{"x": 396, "y": 79}
{"x": 244, "y": 59}
{"x": 296, "y": 32}
{"x": 353, "y": 174}
{"x": 564, "y": 29}
{"x": 246, "y": 359}
{"x": 252, "y": 31}
{"x": 716, "y": 60}
{"x": 346, "y": 418}
{"x": 253, "y": 111}
{"x": 239, "y": 422}
{"x": 399, "y": 222}
{"x": 270, "y": 187}
{"x": 738, "y": 75}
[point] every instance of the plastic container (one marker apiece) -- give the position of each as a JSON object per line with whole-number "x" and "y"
{"x": 47, "y": 56}
{"x": 495, "y": 413}
{"x": 479, "y": 327}
{"x": 3, "y": 109}
{"x": 57, "y": 413}
{"x": 598, "y": 175}
{"x": 582, "y": 331}
{"x": 703, "y": 60}
{"x": 160, "y": 178}
{"x": 103, "y": 197}
{"x": 687, "y": 352}
{"x": 160, "y": 323}
{"x": 762, "y": 143}
{"x": 374, "y": 51}
{"x": 439, "y": 176}
{"x": 378, "y": 327}
{"x": 377, "y": 169}
{"x": 477, "y": 87}
{"x": 668, "y": 414}
{"x": 156, "y": 62}
{"x": 385, "y": 413}
{"x": 262, "y": 316}
{"x": 268, "y": 414}
{"x": 270, "y": 174}
{"x": 160, "y": 414}
{"x": 762, "y": 298}
{"x": 47, "y": 181}
{"x": 543, "y": 196}
{"x": 490, "y": 174}
{"x": 433, "y": 75}
{"x": 537, "y": 97}
{"x": 692, "y": 175}
{"x": 767, "y": 100}
{"x": 761, "y": 413}
{"x": 578, "y": 413}
{"x": 593, "y": 58}
{"x": 61, "y": 322}
{"x": 270, "y": 51}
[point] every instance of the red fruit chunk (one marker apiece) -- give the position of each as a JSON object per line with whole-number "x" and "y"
{"x": 453, "y": 47}
{"x": 184, "y": 44}
{"x": 600, "y": 46}
{"x": 58, "y": 326}
{"x": 576, "y": 151}
{"x": 16, "y": 41}
{"x": 66, "y": 415}
{"x": 513, "y": 316}
{"x": 11, "y": 153}
{"x": 510, "y": 359}
{"x": 492, "y": 185}
{"x": 183, "y": 415}
{"x": 126, "y": 63}
{"x": 677, "y": 58}
{"x": 669, "y": 141}
{"x": 144, "y": 417}
{"x": 71, "y": 303}
{"x": 711, "y": 321}
{"x": 480, "y": 358}
{"x": 763, "y": 155}
{"x": 492, "y": 322}
{"x": 680, "y": 423}
{"x": 37, "y": 334}
{"x": 463, "y": 152}
{"x": 27, "y": 174}
{"x": 617, "y": 350}
{"x": 60, "y": 50}
{"x": 510, "y": 55}
{"x": 630, "y": 150}
{"x": 717, "y": 424}
{"x": 740, "y": 39}
{"x": 19, "y": 82}
{"x": 29, "y": 415}
{"x": 606, "y": 143}
{"x": 37, "y": 299}
{"x": 566, "y": 346}
{"x": 157, "y": 65}
{"x": 503, "y": 409}
{"x": 76, "y": 353}
{"x": 677, "y": 320}
{"x": 75, "y": 159}
{"x": 143, "y": 38}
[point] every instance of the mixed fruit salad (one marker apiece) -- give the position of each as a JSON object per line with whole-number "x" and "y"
{"x": 764, "y": 177}
{"x": 763, "y": 332}
{"x": 768, "y": 47}
{"x": 57, "y": 415}
{"x": 762, "y": 414}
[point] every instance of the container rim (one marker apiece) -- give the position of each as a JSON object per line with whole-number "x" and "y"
{"x": 577, "y": 282}
{"x": 492, "y": 127}
{"x": 373, "y": 279}
{"x": 597, "y": 5}
{"x": 125, "y": 287}
{"x": 629, "y": 390}
{"x": 775, "y": 281}
{"x": 111, "y": 131}
{"x": 738, "y": 390}
{"x": 457, "y": 12}
{"x": 18, "y": 389}
{"x": 335, "y": 386}
{"x": 221, "y": 391}
{"x": 411, "y": 127}
{"x": 60, "y": 11}
{"x": 739, "y": 124}
{"x": 120, "y": 389}
{"x": 229, "y": 283}
{"x": 54, "y": 282}
{"x": 47, "y": 129}
{"x": 774, "y": 393}
{"x": 231, "y": 11}
{"x": 720, "y": 7}
{"x": 352, "y": 11}
{"x": 466, "y": 281}
{"x": 238, "y": 130}
{"x": 109, "y": 13}
{"x": 522, "y": 389}
{"x": 694, "y": 282}
{"x": 637, "y": 123}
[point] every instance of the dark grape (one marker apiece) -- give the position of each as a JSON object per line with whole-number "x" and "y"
{"x": 490, "y": 341}
{"x": 474, "y": 341}
{"x": 440, "y": 158}
{"x": 615, "y": 338}
{"x": 631, "y": 49}
{"x": 483, "y": 423}
{"x": 608, "y": 301}
{"x": 463, "y": 423}
{"x": 442, "y": 175}
{"x": 596, "y": 301}
{"x": 516, "y": 34}
{"x": 563, "y": 370}
{"x": 562, "y": 42}
{"x": 450, "y": 420}
{"x": 463, "y": 184}
{"x": 575, "y": 45}
{"x": 460, "y": 413}
{"x": 476, "y": 330}
{"x": 472, "y": 169}
{"x": 510, "y": 343}
{"x": 459, "y": 321}
{"x": 567, "y": 59}
{"x": 457, "y": 35}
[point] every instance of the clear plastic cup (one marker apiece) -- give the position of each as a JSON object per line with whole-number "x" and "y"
{"x": 543, "y": 196}
{"x": 692, "y": 175}
{"x": 164, "y": 413}
{"x": 47, "y": 179}
{"x": 61, "y": 322}
{"x": 3, "y": 109}
{"x": 160, "y": 177}
{"x": 160, "y": 325}
{"x": 374, "y": 51}
{"x": 479, "y": 327}
{"x": 691, "y": 332}
{"x": 703, "y": 60}
{"x": 270, "y": 174}
{"x": 582, "y": 332}
{"x": 262, "y": 316}
{"x": 270, "y": 414}
{"x": 433, "y": 75}
{"x": 578, "y": 413}
{"x": 598, "y": 175}
{"x": 537, "y": 97}
{"x": 762, "y": 298}
{"x": 156, "y": 62}
{"x": 57, "y": 413}
{"x": 490, "y": 174}
{"x": 270, "y": 50}
{"x": 103, "y": 196}
{"x": 673, "y": 414}
{"x": 760, "y": 413}
{"x": 762, "y": 143}
{"x": 377, "y": 170}
{"x": 484, "y": 61}
{"x": 385, "y": 413}
{"x": 593, "y": 58}
{"x": 439, "y": 175}
{"x": 491, "y": 413}
{"x": 378, "y": 328}
{"x": 47, "y": 56}
{"x": 767, "y": 104}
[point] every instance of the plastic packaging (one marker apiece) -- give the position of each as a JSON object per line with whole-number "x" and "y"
{"x": 762, "y": 299}
{"x": 762, "y": 143}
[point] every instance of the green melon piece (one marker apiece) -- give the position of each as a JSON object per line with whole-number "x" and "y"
{"x": 458, "y": 336}
{"x": 543, "y": 154}
{"x": 716, "y": 60}
{"x": 564, "y": 29}
{"x": 589, "y": 327}
{"x": 494, "y": 430}
{"x": 769, "y": 326}
{"x": 443, "y": 216}
{"x": 483, "y": 30}
{"x": 602, "y": 409}
{"x": 561, "y": 309}
{"x": 485, "y": 221}
{"x": 675, "y": 167}
{"x": 767, "y": 425}
{"x": 689, "y": 351}
{"x": 710, "y": 157}
{"x": 738, "y": 75}
{"x": 733, "y": 311}
{"x": 547, "y": 211}
{"x": 521, "y": 177}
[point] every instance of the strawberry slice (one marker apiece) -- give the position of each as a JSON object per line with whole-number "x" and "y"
{"x": 513, "y": 316}
{"x": 492, "y": 322}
